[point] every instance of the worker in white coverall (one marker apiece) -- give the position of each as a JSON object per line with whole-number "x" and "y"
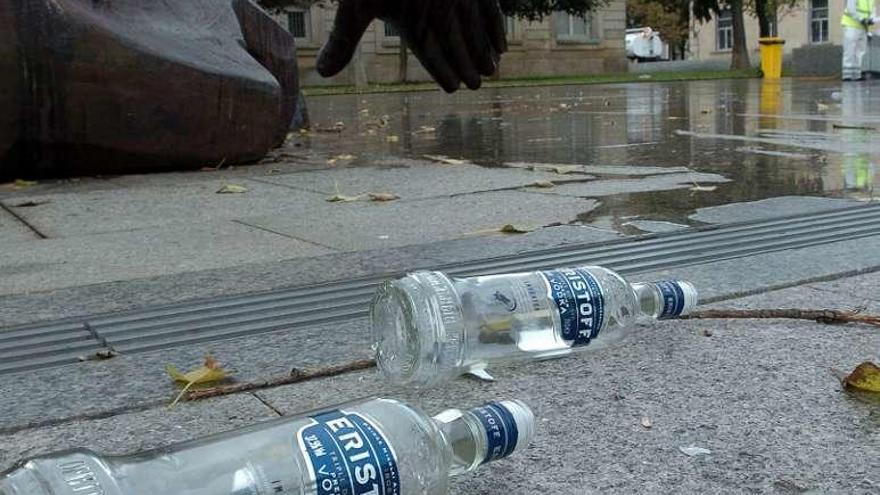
{"x": 858, "y": 19}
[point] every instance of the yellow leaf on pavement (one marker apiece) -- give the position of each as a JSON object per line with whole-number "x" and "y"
{"x": 21, "y": 183}
{"x": 209, "y": 372}
{"x": 865, "y": 378}
{"x": 232, "y": 189}
{"x": 202, "y": 374}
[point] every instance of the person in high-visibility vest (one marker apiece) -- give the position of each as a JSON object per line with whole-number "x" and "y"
{"x": 858, "y": 18}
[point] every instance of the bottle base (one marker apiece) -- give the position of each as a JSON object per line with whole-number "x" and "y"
{"x": 418, "y": 329}
{"x": 396, "y": 340}
{"x": 21, "y": 481}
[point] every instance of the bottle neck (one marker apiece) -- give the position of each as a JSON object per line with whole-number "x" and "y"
{"x": 485, "y": 434}
{"x": 665, "y": 300}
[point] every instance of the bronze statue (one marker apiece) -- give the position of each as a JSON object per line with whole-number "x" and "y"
{"x": 115, "y": 86}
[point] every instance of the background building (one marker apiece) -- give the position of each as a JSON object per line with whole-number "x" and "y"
{"x": 559, "y": 45}
{"x": 813, "y": 23}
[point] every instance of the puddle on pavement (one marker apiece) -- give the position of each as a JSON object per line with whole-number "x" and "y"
{"x": 802, "y": 138}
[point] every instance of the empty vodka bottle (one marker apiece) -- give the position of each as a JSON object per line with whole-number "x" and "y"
{"x": 428, "y": 327}
{"x": 369, "y": 447}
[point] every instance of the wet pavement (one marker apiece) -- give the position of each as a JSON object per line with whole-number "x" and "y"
{"x": 583, "y": 165}
{"x": 770, "y": 139}
{"x": 569, "y": 164}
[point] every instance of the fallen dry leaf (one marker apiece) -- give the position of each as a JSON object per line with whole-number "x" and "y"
{"x": 556, "y": 169}
{"x": 18, "y": 184}
{"x": 31, "y": 204}
{"x": 383, "y": 196}
{"x": 445, "y": 159}
{"x": 546, "y": 184}
{"x": 209, "y": 372}
{"x": 865, "y": 378}
{"x": 101, "y": 355}
{"x": 341, "y": 198}
{"x": 515, "y": 229}
{"x": 647, "y": 423}
{"x": 692, "y": 451}
{"x": 699, "y": 188}
{"x": 232, "y": 189}
{"x": 337, "y": 127}
{"x": 504, "y": 229}
{"x": 340, "y": 158}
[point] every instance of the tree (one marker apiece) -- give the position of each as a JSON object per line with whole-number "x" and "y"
{"x": 767, "y": 12}
{"x": 740, "y": 57}
{"x": 524, "y": 9}
{"x": 704, "y": 10}
{"x": 537, "y": 9}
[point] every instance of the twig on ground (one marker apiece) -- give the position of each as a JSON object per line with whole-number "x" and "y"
{"x": 827, "y": 316}
{"x": 295, "y": 376}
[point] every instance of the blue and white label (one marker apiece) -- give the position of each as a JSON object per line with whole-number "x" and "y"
{"x": 673, "y": 299}
{"x": 348, "y": 455}
{"x": 501, "y": 431}
{"x": 580, "y": 303}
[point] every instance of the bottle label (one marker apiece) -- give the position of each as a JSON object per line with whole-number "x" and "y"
{"x": 348, "y": 455}
{"x": 579, "y": 302}
{"x": 673, "y": 299}
{"x": 501, "y": 431}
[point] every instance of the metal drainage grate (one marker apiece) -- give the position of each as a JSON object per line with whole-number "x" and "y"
{"x": 48, "y": 344}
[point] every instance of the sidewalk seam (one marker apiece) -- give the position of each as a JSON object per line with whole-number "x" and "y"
{"x": 282, "y": 234}
{"x": 22, "y": 220}
{"x": 804, "y": 282}
{"x": 266, "y": 403}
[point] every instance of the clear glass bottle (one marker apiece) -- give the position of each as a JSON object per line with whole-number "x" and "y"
{"x": 373, "y": 446}
{"x": 428, "y": 327}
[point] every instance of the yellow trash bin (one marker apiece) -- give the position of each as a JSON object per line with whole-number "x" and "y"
{"x": 771, "y": 57}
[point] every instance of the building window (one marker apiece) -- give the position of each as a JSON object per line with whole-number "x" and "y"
{"x": 298, "y": 23}
{"x": 819, "y": 21}
{"x": 510, "y": 26}
{"x": 574, "y": 27}
{"x": 724, "y": 35}
{"x": 391, "y": 31}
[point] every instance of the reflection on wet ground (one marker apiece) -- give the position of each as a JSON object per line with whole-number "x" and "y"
{"x": 808, "y": 138}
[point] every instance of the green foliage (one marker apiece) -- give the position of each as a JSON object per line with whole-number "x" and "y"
{"x": 538, "y": 9}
